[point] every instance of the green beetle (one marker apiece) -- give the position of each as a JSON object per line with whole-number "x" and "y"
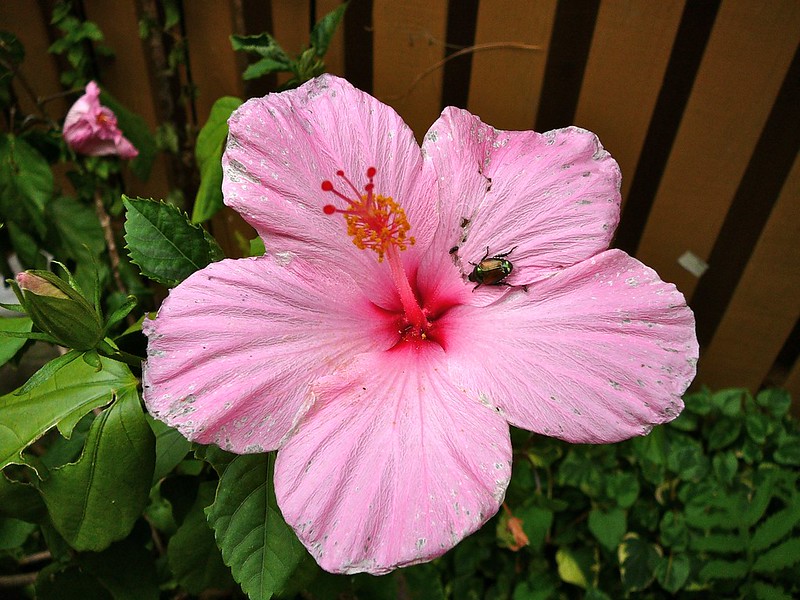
{"x": 491, "y": 270}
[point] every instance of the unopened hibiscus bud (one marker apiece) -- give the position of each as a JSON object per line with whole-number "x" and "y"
{"x": 91, "y": 128}
{"x": 59, "y": 310}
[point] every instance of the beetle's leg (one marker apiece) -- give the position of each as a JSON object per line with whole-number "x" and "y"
{"x": 504, "y": 254}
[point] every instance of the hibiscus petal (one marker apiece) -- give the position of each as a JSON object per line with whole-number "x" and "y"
{"x": 283, "y": 146}
{"x": 552, "y": 198}
{"x": 235, "y": 347}
{"x": 598, "y": 353}
{"x": 393, "y": 466}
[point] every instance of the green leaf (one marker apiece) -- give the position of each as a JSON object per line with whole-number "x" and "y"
{"x": 725, "y": 465}
{"x": 14, "y": 532}
{"x": 673, "y": 571}
{"x": 26, "y": 184}
{"x": 192, "y": 554}
{"x": 261, "y": 549}
{"x": 9, "y": 346}
{"x": 536, "y": 522}
{"x": 624, "y": 488}
{"x": 729, "y": 402}
{"x": 97, "y": 500}
{"x": 136, "y": 130}
{"x": 719, "y": 542}
{"x": 724, "y": 569}
{"x": 208, "y": 152}
{"x": 20, "y": 501}
{"x": 780, "y": 557}
{"x": 757, "y": 427}
{"x": 571, "y": 569}
{"x": 55, "y": 582}
{"x": 126, "y": 569}
{"x": 77, "y": 227}
{"x": 265, "y": 66}
{"x": 776, "y": 401}
{"x": 264, "y": 45}
{"x": 608, "y": 526}
{"x": 638, "y": 561}
{"x": 673, "y": 531}
{"x": 723, "y": 433}
{"x": 60, "y": 401}
{"x": 171, "y": 448}
{"x": 788, "y": 452}
{"x": 163, "y": 243}
{"x": 776, "y": 527}
{"x": 765, "y": 591}
{"x": 324, "y": 29}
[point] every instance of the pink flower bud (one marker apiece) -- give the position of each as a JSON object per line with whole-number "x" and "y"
{"x": 91, "y": 128}
{"x": 30, "y": 282}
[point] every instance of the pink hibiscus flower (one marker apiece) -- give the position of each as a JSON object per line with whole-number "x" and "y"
{"x": 91, "y": 128}
{"x": 360, "y": 348}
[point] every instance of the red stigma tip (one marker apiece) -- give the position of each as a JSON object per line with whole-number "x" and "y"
{"x": 329, "y": 209}
{"x": 327, "y": 186}
{"x": 371, "y": 172}
{"x": 340, "y": 173}
{"x": 369, "y": 186}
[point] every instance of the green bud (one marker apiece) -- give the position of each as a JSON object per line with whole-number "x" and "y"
{"x": 59, "y": 310}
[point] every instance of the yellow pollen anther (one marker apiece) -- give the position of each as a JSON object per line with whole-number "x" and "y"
{"x": 374, "y": 222}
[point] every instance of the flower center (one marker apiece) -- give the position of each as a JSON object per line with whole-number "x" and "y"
{"x": 374, "y": 222}
{"x": 378, "y": 223}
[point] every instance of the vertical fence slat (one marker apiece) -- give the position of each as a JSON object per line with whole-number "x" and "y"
{"x": 506, "y": 83}
{"x": 630, "y": 50}
{"x": 26, "y": 21}
{"x": 126, "y": 77}
{"x": 334, "y": 59}
{"x": 746, "y": 59}
{"x": 408, "y": 39}
{"x": 765, "y": 305}
{"x": 215, "y": 69}
{"x": 792, "y": 384}
{"x": 290, "y": 19}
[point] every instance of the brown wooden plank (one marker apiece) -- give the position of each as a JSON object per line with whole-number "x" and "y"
{"x": 506, "y": 83}
{"x": 792, "y": 384}
{"x": 766, "y": 303}
{"x": 126, "y": 77}
{"x": 746, "y": 59}
{"x": 408, "y": 39}
{"x": 334, "y": 59}
{"x": 215, "y": 69}
{"x": 629, "y": 55}
{"x": 24, "y": 19}
{"x": 290, "y": 19}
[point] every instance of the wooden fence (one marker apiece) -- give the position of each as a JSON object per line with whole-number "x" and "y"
{"x": 699, "y": 101}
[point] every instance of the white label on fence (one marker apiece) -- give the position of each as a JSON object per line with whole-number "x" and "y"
{"x": 693, "y": 263}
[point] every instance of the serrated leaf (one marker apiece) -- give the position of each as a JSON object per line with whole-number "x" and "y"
{"x": 9, "y": 346}
{"x": 776, "y": 527}
{"x": 26, "y": 184}
{"x": 765, "y": 591}
{"x": 97, "y": 499}
{"x": 724, "y": 569}
{"x": 780, "y": 557}
{"x": 265, "y": 66}
{"x": 324, "y": 29}
{"x": 719, "y": 542}
{"x": 208, "y": 152}
{"x": 261, "y": 549}
{"x": 60, "y": 401}
{"x": 264, "y": 45}
{"x": 723, "y": 433}
{"x": 193, "y": 556}
{"x": 163, "y": 243}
